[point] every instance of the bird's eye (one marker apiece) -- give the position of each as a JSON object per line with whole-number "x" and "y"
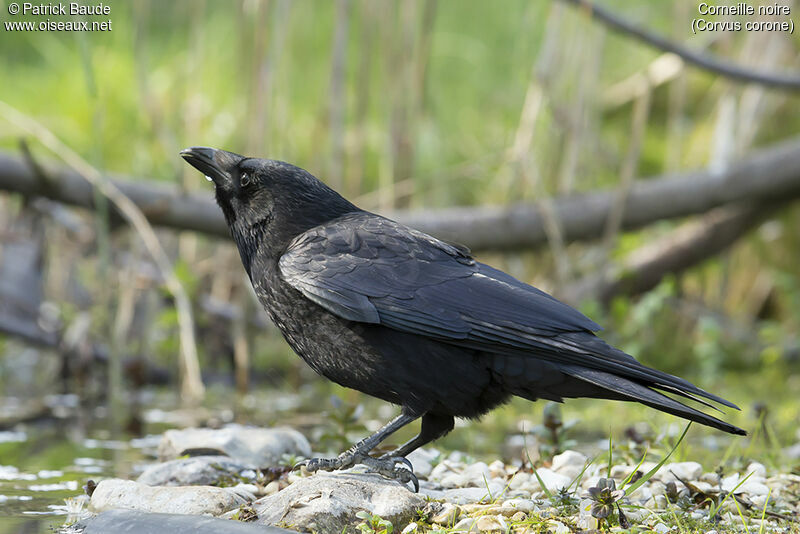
{"x": 245, "y": 179}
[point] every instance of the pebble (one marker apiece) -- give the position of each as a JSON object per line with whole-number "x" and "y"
{"x": 554, "y": 481}
{"x": 448, "y": 515}
{"x": 474, "y": 496}
{"x": 519, "y": 517}
{"x": 525, "y": 505}
{"x": 569, "y": 463}
{"x": 558, "y": 527}
{"x": 492, "y": 523}
{"x": 468, "y": 524}
{"x": 585, "y": 519}
{"x": 685, "y": 470}
{"x": 423, "y": 460}
{"x": 411, "y": 527}
{"x": 757, "y": 469}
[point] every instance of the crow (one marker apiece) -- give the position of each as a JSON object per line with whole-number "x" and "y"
{"x": 416, "y": 321}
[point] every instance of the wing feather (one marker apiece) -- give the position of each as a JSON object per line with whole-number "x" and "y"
{"x": 366, "y": 268}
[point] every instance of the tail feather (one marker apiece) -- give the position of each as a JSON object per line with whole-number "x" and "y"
{"x": 635, "y": 391}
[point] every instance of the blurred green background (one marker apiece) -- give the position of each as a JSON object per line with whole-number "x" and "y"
{"x": 419, "y": 104}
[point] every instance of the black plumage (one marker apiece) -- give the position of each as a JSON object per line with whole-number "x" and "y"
{"x": 395, "y": 313}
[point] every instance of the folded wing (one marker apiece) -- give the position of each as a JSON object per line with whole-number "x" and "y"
{"x": 369, "y": 269}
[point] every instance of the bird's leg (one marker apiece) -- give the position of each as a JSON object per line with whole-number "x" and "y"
{"x": 433, "y": 427}
{"x": 359, "y": 454}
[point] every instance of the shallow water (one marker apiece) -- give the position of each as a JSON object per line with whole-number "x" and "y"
{"x": 43, "y": 471}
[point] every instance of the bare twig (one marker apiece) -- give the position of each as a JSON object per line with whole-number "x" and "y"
{"x": 706, "y": 62}
{"x": 191, "y": 386}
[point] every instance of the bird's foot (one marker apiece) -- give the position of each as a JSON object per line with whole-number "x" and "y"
{"x": 393, "y": 467}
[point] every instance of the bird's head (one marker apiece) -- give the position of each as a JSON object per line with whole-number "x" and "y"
{"x": 266, "y": 202}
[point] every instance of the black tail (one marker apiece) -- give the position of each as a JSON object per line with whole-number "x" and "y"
{"x": 635, "y": 391}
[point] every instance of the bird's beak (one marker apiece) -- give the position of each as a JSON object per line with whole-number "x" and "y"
{"x": 209, "y": 162}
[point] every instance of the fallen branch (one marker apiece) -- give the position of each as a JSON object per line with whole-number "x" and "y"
{"x": 766, "y": 175}
{"x": 704, "y": 61}
{"x": 685, "y": 247}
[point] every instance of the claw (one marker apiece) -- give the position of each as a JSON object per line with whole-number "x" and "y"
{"x": 414, "y": 480}
{"x": 300, "y": 464}
{"x": 405, "y": 461}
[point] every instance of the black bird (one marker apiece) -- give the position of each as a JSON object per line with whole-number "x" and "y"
{"x": 400, "y": 315}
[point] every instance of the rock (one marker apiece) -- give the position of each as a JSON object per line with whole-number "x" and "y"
{"x": 757, "y": 469}
{"x": 558, "y": 527}
{"x": 661, "y": 528}
{"x": 328, "y": 502}
{"x": 143, "y": 522}
{"x": 519, "y": 517}
{"x": 256, "y": 447}
{"x": 753, "y": 488}
{"x": 445, "y": 468}
{"x": 524, "y": 505}
{"x": 686, "y": 470}
{"x": 468, "y": 524}
{"x": 423, "y": 460}
{"x": 411, "y": 527}
{"x": 621, "y": 471}
{"x": 585, "y": 519}
{"x": 492, "y": 523}
{"x": 469, "y": 495}
{"x": 117, "y": 493}
{"x": 568, "y": 459}
{"x": 196, "y": 471}
{"x": 497, "y": 469}
{"x": 448, "y": 515}
{"x": 552, "y": 480}
{"x": 476, "y": 474}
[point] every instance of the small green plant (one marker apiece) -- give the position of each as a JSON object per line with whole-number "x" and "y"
{"x": 373, "y": 524}
{"x": 344, "y": 419}
{"x": 552, "y": 433}
{"x": 605, "y": 497}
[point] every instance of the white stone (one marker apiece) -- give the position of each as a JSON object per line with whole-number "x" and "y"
{"x": 497, "y": 469}
{"x": 621, "y": 471}
{"x": 520, "y": 480}
{"x": 468, "y": 524}
{"x": 558, "y": 527}
{"x": 469, "y": 495}
{"x": 686, "y": 470}
{"x": 448, "y": 515}
{"x": 258, "y": 447}
{"x": 492, "y": 523}
{"x": 730, "y": 482}
{"x": 585, "y": 520}
{"x": 568, "y": 459}
{"x": 444, "y": 468}
{"x": 195, "y": 471}
{"x": 523, "y": 505}
{"x": 328, "y": 502}
{"x": 423, "y": 460}
{"x": 411, "y": 527}
{"x": 752, "y": 488}
{"x": 117, "y": 493}
{"x": 757, "y": 469}
{"x": 477, "y": 474}
{"x": 551, "y": 479}
{"x": 661, "y": 528}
